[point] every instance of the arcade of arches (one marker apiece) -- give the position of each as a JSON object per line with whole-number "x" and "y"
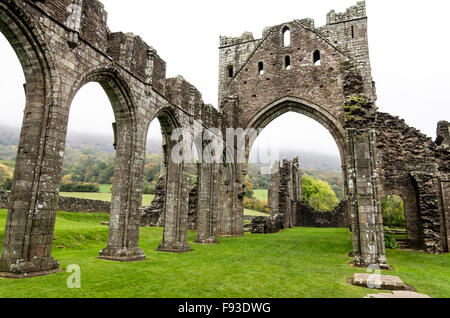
{"x": 64, "y": 44}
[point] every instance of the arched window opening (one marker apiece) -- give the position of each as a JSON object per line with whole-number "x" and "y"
{"x": 89, "y": 158}
{"x": 261, "y": 68}
{"x": 286, "y": 36}
{"x": 230, "y": 71}
{"x": 316, "y": 148}
{"x": 394, "y": 221}
{"x": 154, "y": 168}
{"x": 317, "y": 60}
{"x": 287, "y": 62}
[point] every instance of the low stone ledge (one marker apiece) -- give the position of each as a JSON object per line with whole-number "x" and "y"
{"x": 373, "y": 281}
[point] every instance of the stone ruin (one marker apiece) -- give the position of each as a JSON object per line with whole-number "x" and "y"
{"x": 321, "y": 72}
{"x": 287, "y": 207}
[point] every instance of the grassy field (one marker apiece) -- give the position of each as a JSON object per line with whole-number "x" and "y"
{"x": 104, "y": 196}
{"x": 261, "y": 194}
{"x": 146, "y": 199}
{"x": 295, "y": 263}
{"x": 253, "y": 213}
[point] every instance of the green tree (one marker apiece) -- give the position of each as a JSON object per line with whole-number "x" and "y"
{"x": 393, "y": 211}
{"x": 5, "y": 175}
{"x": 318, "y": 194}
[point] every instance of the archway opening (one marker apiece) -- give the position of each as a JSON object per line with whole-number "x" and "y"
{"x": 89, "y": 157}
{"x": 159, "y": 149}
{"x": 12, "y": 90}
{"x": 394, "y": 221}
{"x": 286, "y": 137}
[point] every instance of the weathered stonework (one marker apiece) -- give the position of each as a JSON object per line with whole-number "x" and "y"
{"x": 286, "y": 200}
{"x": 285, "y": 193}
{"x": 337, "y": 218}
{"x": 64, "y": 44}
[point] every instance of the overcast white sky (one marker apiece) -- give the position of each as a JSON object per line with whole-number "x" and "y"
{"x": 409, "y": 48}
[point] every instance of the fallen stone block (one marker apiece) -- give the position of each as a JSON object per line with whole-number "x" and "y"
{"x": 374, "y": 281}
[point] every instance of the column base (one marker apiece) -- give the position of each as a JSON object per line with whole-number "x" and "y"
{"x": 23, "y": 269}
{"x": 210, "y": 240}
{"x": 122, "y": 254}
{"x": 231, "y": 235}
{"x": 365, "y": 262}
{"x": 174, "y": 247}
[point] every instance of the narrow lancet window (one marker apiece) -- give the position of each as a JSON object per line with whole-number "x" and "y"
{"x": 230, "y": 71}
{"x": 287, "y": 62}
{"x": 286, "y": 36}
{"x": 317, "y": 61}
{"x": 261, "y": 68}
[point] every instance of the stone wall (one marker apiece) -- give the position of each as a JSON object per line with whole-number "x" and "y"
{"x": 151, "y": 215}
{"x": 68, "y": 204}
{"x": 285, "y": 191}
{"x": 285, "y": 201}
{"x": 416, "y": 168}
{"x": 308, "y": 217}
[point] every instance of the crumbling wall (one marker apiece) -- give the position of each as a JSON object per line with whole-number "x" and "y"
{"x": 151, "y": 215}
{"x": 337, "y": 218}
{"x": 285, "y": 191}
{"x": 416, "y": 168}
{"x": 193, "y": 206}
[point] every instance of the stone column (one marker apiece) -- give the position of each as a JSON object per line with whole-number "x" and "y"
{"x": 28, "y": 236}
{"x": 125, "y": 217}
{"x": 231, "y": 214}
{"x": 208, "y": 203}
{"x": 176, "y": 209}
{"x": 364, "y": 205}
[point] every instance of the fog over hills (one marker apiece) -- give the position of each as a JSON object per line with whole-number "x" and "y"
{"x": 308, "y": 159}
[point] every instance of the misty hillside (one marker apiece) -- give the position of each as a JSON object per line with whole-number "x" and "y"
{"x": 10, "y": 137}
{"x": 308, "y": 160}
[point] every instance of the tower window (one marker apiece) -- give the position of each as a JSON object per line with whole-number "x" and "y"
{"x": 353, "y": 32}
{"x": 287, "y": 62}
{"x": 286, "y": 36}
{"x": 230, "y": 71}
{"x": 317, "y": 61}
{"x": 261, "y": 68}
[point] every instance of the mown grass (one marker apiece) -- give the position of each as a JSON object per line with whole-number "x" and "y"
{"x": 296, "y": 263}
{"x": 254, "y": 213}
{"x": 105, "y": 188}
{"x": 146, "y": 199}
{"x": 261, "y": 194}
{"x": 104, "y": 196}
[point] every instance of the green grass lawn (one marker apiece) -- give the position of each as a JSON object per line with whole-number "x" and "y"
{"x": 105, "y": 188}
{"x": 296, "y": 263}
{"x": 261, "y": 194}
{"x": 104, "y": 196}
{"x": 253, "y": 213}
{"x": 146, "y": 199}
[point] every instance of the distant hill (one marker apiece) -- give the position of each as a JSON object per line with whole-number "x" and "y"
{"x": 308, "y": 160}
{"x": 311, "y": 160}
{"x": 9, "y": 136}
